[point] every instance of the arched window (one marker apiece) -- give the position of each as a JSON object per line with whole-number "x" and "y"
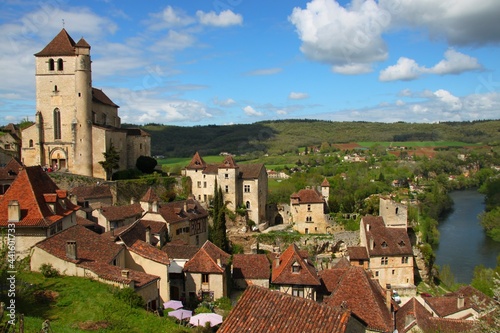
{"x": 57, "y": 124}
{"x": 31, "y": 143}
{"x": 51, "y": 64}
{"x": 248, "y": 204}
{"x": 59, "y": 64}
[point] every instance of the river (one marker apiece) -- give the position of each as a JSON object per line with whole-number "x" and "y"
{"x": 463, "y": 244}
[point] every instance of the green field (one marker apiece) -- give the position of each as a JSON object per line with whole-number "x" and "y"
{"x": 418, "y": 144}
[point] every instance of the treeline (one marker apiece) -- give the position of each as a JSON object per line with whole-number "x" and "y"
{"x": 283, "y": 136}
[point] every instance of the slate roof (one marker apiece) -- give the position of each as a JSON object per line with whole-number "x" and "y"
{"x": 260, "y": 310}
{"x": 387, "y": 241}
{"x": 118, "y": 213}
{"x": 100, "y": 97}
{"x": 355, "y": 290}
{"x": 61, "y": 45}
{"x": 413, "y": 314}
{"x": 251, "y": 266}
{"x": 282, "y": 274}
{"x": 206, "y": 260}
{"x": 306, "y": 196}
{"x": 175, "y": 250}
{"x": 34, "y": 190}
{"x": 86, "y": 192}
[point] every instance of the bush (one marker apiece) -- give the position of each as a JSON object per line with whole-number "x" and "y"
{"x": 48, "y": 271}
{"x": 130, "y": 297}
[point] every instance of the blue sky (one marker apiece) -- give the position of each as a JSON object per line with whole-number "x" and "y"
{"x": 223, "y": 62}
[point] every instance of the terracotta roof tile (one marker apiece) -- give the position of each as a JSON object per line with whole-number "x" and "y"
{"x": 99, "y": 96}
{"x": 174, "y": 211}
{"x": 260, "y": 310}
{"x": 196, "y": 162}
{"x": 207, "y": 259}
{"x": 114, "y": 273}
{"x": 357, "y": 253}
{"x": 307, "y": 196}
{"x": 10, "y": 171}
{"x": 117, "y": 213}
{"x": 36, "y": 192}
{"x": 156, "y": 227}
{"x": 180, "y": 251}
{"x": 283, "y": 274}
{"x": 61, "y": 45}
{"x": 353, "y": 288}
{"x": 251, "y": 266}
{"x": 150, "y": 252}
{"x": 325, "y": 183}
{"x": 86, "y": 192}
{"x": 150, "y": 196}
{"x": 228, "y": 162}
{"x": 387, "y": 241}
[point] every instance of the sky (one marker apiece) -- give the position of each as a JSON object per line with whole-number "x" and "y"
{"x": 223, "y": 62}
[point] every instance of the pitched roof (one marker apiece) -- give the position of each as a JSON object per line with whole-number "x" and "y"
{"x": 250, "y": 171}
{"x": 207, "y": 259}
{"x": 251, "y": 266}
{"x": 10, "y": 171}
{"x": 129, "y": 234}
{"x": 90, "y": 246}
{"x": 413, "y": 314}
{"x": 86, "y": 192}
{"x": 260, "y": 310}
{"x": 99, "y": 96}
{"x": 180, "y": 251}
{"x": 150, "y": 252}
{"x": 35, "y": 190}
{"x": 386, "y": 241}
{"x": 83, "y": 43}
{"x": 186, "y": 210}
{"x": 117, "y": 213}
{"x": 61, "y": 45}
{"x": 354, "y": 289}
{"x": 325, "y": 183}
{"x": 447, "y": 305}
{"x": 283, "y": 274}
{"x": 228, "y": 162}
{"x": 307, "y": 195}
{"x": 150, "y": 196}
{"x": 156, "y": 226}
{"x": 114, "y": 273}
{"x": 196, "y": 162}
{"x": 357, "y": 253}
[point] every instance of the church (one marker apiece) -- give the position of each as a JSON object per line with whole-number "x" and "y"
{"x": 75, "y": 123}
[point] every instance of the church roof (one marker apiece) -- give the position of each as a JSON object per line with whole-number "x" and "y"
{"x": 99, "y": 96}
{"x": 61, "y": 45}
{"x": 83, "y": 43}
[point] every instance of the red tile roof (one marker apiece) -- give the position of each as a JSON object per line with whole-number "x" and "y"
{"x": 86, "y": 192}
{"x": 260, "y": 310}
{"x": 156, "y": 227}
{"x": 10, "y": 171}
{"x": 196, "y": 162}
{"x": 117, "y": 213}
{"x": 150, "y": 196}
{"x": 35, "y": 190}
{"x": 228, "y": 162}
{"x": 354, "y": 289}
{"x": 175, "y": 211}
{"x": 99, "y": 96}
{"x": 357, "y": 253}
{"x": 61, "y": 45}
{"x": 180, "y": 251}
{"x": 387, "y": 241}
{"x": 129, "y": 234}
{"x": 305, "y": 196}
{"x": 150, "y": 252}
{"x": 251, "y": 266}
{"x": 325, "y": 183}
{"x": 114, "y": 273}
{"x": 283, "y": 274}
{"x": 207, "y": 259}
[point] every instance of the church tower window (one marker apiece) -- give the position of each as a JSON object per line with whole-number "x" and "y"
{"x": 59, "y": 64}
{"x": 57, "y": 124}
{"x": 51, "y": 64}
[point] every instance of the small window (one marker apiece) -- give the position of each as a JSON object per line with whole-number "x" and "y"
{"x": 384, "y": 261}
{"x": 247, "y": 204}
{"x": 31, "y": 143}
{"x": 393, "y": 271}
{"x": 308, "y": 207}
{"x": 199, "y": 184}
{"x": 298, "y": 291}
{"x": 204, "y": 278}
{"x": 384, "y": 244}
{"x": 55, "y": 88}
{"x": 59, "y": 64}
{"x": 51, "y": 64}
{"x": 376, "y": 273}
{"x": 247, "y": 188}
{"x": 204, "y": 184}
{"x": 227, "y": 189}
{"x": 226, "y": 176}
{"x": 404, "y": 260}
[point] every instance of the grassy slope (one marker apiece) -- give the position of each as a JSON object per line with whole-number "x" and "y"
{"x": 82, "y": 300}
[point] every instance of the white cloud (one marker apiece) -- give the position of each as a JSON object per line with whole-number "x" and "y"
{"x": 298, "y": 95}
{"x": 405, "y": 70}
{"x": 174, "y": 40}
{"x": 169, "y": 18}
{"x": 225, "y": 102}
{"x": 400, "y": 102}
{"x": 281, "y": 112}
{"x": 225, "y": 18}
{"x": 264, "y": 71}
{"x": 455, "y": 63}
{"x": 449, "y": 101}
{"x": 250, "y": 111}
{"x": 349, "y": 38}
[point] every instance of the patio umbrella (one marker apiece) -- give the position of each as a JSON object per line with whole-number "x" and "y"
{"x": 172, "y": 304}
{"x": 180, "y": 314}
{"x": 202, "y": 318}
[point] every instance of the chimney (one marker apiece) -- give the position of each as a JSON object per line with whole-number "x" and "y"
{"x": 219, "y": 262}
{"x": 367, "y": 227}
{"x": 388, "y": 296}
{"x": 132, "y": 200}
{"x": 125, "y": 273}
{"x": 460, "y": 301}
{"x": 277, "y": 261}
{"x": 372, "y": 243}
{"x": 71, "y": 250}
{"x": 14, "y": 211}
{"x": 185, "y": 206}
{"x": 148, "y": 234}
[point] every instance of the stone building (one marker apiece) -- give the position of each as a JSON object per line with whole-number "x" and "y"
{"x": 74, "y": 122}
{"x": 242, "y": 185}
{"x": 309, "y": 210}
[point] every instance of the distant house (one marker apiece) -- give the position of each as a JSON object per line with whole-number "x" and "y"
{"x": 91, "y": 197}
{"x": 112, "y": 217}
{"x": 36, "y": 207}
{"x": 8, "y": 173}
{"x": 309, "y": 210}
{"x": 78, "y": 251}
{"x": 263, "y": 310}
{"x": 251, "y": 269}
{"x": 294, "y": 274}
{"x": 179, "y": 254}
{"x": 207, "y": 273}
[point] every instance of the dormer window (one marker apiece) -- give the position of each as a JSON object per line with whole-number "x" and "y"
{"x": 401, "y": 243}
{"x": 296, "y": 267}
{"x": 384, "y": 244}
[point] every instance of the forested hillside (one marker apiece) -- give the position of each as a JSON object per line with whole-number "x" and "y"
{"x": 276, "y": 137}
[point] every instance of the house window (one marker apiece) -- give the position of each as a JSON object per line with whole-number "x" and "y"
{"x": 296, "y": 267}
{"x": 360, "y": 262}
{"x": 59, "y": 64}
{"x": 393, "y": 271}
{"x": 197, "y": 240}
{"x": 204, "y": 278}
{"x": 309, "y": 218}
{"x": 199, "y": 184}
{"x": 298, "y": 291}
{"x": 204, "y": 184}
{"x": 384, "y": 244}
{"x": 57, "y": 124}
{"x": 376, "y": 273}
{"x": 31, "y": 144}
{"x": 404, "y": 260}
{"x": 384, "y": 261}
{"x": 306, "y": 231}
{"x": 226, "y": 176}
{"x": 308, "y": 207}
{"x": 247, "y": 188}
{"x": 227, "y": 188}
{"x": 51, "y": 64}
{"x": 247, "y": 204}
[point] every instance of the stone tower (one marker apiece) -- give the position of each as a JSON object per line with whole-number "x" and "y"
{"x": 325, "y": 190}
{"x": 228, "y": 174}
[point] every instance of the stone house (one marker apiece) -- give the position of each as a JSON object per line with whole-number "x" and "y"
{"x": 78, "y": 251}
{"x": 90, "y": 198}
{"x": 294, "y": 274}
{"x": 75, "y": 123}
{"x": 8, "y": 173}
{"x": 250, "y": 270}
{"x": 112, "y": 217}
{"x": 263, "y": 310}
{"x": 207, "y": 273}
{"x": 309, "y": 210}
{"x": 243, "y": 186}
{"x": 36, "y": 208}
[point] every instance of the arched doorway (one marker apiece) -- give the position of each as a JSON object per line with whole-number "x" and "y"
{"x": 58, "y": 159}
{"x": 278, "y": 219}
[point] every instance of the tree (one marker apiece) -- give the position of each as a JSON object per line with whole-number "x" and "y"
{"x": 111, "y": 161}
{"x": 146, "y": 164}
{"x": 218, "y": 235}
